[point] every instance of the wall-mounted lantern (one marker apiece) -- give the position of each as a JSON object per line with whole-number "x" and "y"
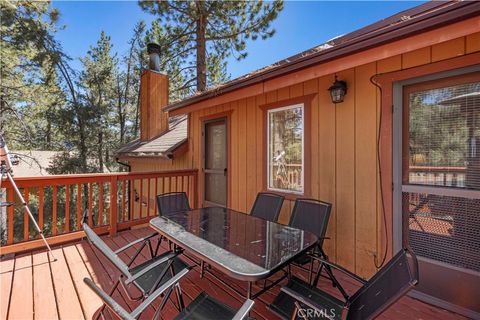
{"x": 338, "y": 90}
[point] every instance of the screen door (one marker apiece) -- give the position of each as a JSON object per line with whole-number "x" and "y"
{"x": 440, "y": 187}
{"x": 215, "y": 162}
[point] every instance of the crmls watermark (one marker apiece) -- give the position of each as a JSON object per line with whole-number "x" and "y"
{"x": 314, "y": 313}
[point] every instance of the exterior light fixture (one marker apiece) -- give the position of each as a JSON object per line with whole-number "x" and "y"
{"x": 153, "y": 50}
{"x": 338, "y": 90}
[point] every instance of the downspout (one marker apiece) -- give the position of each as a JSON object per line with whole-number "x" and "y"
{"x": 129, "y": 186}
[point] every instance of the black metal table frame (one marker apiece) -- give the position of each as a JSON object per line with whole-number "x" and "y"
{"x": 249, "y": 279}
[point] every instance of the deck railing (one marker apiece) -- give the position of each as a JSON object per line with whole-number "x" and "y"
{"x": 108, "y": 202}
{"x": 442, "y": 176}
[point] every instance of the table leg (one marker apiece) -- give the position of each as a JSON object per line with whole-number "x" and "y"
{"x": 249, "y": 290}
{"x": 202, "y": 266}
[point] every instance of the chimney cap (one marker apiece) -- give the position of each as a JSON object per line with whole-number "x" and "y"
{"x": 153, "y": 48}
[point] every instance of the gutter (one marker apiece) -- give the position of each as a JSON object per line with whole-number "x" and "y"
{"x": 438, "y": 16}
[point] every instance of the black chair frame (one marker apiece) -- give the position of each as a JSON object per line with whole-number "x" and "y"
{"x": 183, "y": 194}
{"x": 276, "y": 210}
{"x": 202, "y": 307}
{"x": 317, "y": 251}
{"x": 350, "y": 299}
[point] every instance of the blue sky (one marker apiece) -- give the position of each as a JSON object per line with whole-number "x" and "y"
{"x": 300, "y": 26}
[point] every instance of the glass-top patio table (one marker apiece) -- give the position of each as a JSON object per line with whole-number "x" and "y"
{"x": 241, "y": 246}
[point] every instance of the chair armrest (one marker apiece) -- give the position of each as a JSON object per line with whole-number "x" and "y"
{"x": 339, "y": 268}
{"x": 153, "y": 265}
{"x": 244, "y": 310}
{"x": 173, "y": 281}
{"x": 112, "y": 304}
{"x": 125, "y": 247}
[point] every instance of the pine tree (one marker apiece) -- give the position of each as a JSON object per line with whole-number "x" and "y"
{"x": 202, "y": 34}
{"x": 29, "y": 88}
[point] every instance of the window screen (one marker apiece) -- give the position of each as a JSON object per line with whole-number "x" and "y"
{"x": 443, "y": 144}
{"x": 441, "y": 148}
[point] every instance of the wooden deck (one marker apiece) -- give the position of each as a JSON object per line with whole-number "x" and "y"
{"x": 33, "y": 287}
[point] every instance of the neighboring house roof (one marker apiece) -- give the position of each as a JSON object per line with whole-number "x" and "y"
{"x": 425, "y": 17}
{"x": 33, "y": 163}
{"x": 164, "y": 145}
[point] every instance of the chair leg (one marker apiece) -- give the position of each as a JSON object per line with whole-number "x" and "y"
{"x": 178, "y": 292}
{"x": 202, "y": 267}
{"x": 310, "y": 272}
{"x": 298, "y": 311}
{"x": 158, "y": 244}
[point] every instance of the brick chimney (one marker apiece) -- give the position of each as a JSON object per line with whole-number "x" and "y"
{"x": 153, "y": 97}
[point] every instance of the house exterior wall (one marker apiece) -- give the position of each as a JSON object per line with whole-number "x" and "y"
{"x": 343, "y": 151}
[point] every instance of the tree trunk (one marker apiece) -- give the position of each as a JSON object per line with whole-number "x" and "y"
{"x": 201, "y": 47}
{"x": 82, "y": 142}
{"x": 100, "y": 151}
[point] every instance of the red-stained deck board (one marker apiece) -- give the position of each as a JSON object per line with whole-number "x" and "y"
{"x": 99, "y": 274}
{"x": 55, "y": 288}
{"x": 90, "y": 303}
{"x": 7, "y": 265}
{"x": 22, "y": 289}
{"x": 68, "y": 302}
{"x": 43, "y": 293}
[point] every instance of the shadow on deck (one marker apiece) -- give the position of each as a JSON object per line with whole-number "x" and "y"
{"x": 33, "y": 287}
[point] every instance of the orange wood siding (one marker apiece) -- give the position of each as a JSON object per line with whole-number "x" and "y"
{"x": 343, "y": 144}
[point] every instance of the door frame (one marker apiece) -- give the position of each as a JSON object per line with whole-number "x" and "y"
{"x": 397, "y": 173}
{"x": 225, "y": 116}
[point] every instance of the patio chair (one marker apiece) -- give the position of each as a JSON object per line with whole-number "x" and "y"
{"x": 172, "y": 202}
{"x": 388, "y": 285}
{"x": 203, "y": 307}
{"x": 312, "y": 215}
{"x": 146, "y": 277}
{"x": 267, "y": 206}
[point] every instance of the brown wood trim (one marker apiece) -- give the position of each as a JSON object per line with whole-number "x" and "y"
{"x": 444, "y": 82}
{"x": 180, "y": 150}
{"x": 449, "y": 64}
{"x": 227, "y": 115}
{"x": 307, "y": 108}
{"x": 223, "y": 114}
{"x": 385, "y": 81}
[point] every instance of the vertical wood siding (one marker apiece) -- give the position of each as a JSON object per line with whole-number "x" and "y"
{"x": 344, "y": 168}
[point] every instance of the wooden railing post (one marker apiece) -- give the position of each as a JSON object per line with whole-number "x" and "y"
{"x": 113, "y": 205}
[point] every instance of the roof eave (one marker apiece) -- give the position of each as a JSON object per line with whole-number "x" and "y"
{"x": 435, "y": 19}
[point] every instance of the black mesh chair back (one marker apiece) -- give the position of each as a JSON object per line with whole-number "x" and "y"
{"x": 311, "y": 215}
{"x": 394, "y": 280}
{"x": 172, "y": 202}
{"x": 267, "y": 206}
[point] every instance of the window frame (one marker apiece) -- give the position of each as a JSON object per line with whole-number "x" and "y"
{"x": 269, "y": 112}
{"x": 306, "y": 100}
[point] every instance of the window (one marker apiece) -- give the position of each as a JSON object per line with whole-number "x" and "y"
{"x": 443, "y": 135}
{"x": 285, "y": 142}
